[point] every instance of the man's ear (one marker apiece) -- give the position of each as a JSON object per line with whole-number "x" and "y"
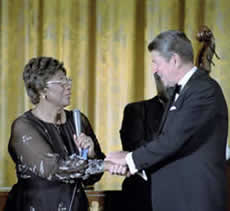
{"x": 176, "y": 60}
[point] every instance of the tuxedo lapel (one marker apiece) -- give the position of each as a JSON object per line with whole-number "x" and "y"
{"x": 176, "y": 105}
{"x": 168, "y": 105}
{"x": 198, "y": 73}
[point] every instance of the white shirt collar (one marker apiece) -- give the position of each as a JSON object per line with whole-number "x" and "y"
{"x": 186, "y": 77}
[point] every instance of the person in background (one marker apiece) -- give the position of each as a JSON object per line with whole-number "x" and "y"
{"x": 188, "y": 156}
{"x": 141, "y": 121}
{"x": 44, "y": 146}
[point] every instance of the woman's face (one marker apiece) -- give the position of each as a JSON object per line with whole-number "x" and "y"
{"x": 58, "y": 91}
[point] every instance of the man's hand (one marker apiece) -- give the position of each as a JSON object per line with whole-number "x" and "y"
{"x": 117, "y": 157}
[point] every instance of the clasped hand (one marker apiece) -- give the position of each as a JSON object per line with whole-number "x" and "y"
{"x": 115, "y": 163}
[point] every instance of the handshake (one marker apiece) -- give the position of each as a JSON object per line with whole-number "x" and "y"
{"x": 115, "y": 163}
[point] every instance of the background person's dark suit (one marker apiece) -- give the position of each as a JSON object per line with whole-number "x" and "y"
{"x": 140, "y": 124}
{"x": 189, "y": 155}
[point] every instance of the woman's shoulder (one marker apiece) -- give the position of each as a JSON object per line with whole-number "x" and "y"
{"x": 24, "y": 116}
{"x": 22, "y": 120}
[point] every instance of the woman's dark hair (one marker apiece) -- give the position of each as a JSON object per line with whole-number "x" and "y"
{"x": 37, "y": 72}
{"x": 173, "y": 41}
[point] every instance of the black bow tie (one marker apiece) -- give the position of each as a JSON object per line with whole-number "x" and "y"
{"x": 177, "y": 88}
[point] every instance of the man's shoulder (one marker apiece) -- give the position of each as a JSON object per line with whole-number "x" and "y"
{"x": 204, "y": 80}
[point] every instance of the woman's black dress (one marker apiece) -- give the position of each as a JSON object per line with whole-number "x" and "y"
{"x": 49, "y": 171}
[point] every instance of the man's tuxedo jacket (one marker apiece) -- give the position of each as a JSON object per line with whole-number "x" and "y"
{"x": 188, "y": 157}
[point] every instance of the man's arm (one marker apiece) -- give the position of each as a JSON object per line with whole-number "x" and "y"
{"x": 198, "y": 108}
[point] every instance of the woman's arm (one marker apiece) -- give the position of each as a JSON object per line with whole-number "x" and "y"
{"x": 34, "y": 156}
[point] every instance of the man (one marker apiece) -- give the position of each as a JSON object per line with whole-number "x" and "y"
{"x": 189, "y": 154}
{"x": 140, "y": 124}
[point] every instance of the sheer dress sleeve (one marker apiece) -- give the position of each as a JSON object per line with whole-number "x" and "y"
{"x": 34, "y": 156}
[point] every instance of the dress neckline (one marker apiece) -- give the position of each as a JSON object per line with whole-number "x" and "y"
{"x": 50, "y": 123}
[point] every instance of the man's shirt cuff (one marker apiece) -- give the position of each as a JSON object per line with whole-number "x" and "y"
{"x": 132, "y": 167}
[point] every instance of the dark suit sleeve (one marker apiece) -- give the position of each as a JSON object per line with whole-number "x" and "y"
{"x": 132, "y": 129}
{"x": 200, "y": 106}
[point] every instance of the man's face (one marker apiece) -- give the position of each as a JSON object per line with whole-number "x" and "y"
{"x": 164, "y": 68}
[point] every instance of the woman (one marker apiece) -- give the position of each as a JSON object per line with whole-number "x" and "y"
{"x": 44, "y": 148}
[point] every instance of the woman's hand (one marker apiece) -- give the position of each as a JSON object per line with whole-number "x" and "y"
{"x": 85, "y": 142}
